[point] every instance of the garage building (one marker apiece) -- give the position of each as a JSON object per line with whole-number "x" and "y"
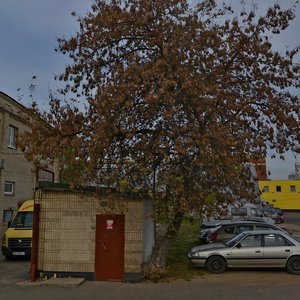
{"x": 97, "y": 236}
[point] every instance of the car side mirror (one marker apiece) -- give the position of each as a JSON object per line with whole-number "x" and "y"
{"x": 238, "y": 245}
{"x": 8, "y": 224}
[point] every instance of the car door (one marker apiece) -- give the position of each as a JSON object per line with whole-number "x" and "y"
{"x": 247, "y": 253}
{"x": 276, "y": 250}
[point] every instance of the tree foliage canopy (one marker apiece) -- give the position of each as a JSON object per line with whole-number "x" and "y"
{"x": 178, "y": 99}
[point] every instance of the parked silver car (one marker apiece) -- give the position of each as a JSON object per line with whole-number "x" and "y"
{"x": 267, "y": 249}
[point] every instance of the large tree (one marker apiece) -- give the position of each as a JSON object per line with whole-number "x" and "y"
{"x": 177, "y": 100}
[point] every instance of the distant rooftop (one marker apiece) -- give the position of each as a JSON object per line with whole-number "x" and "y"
{"x": 12, "y": 99}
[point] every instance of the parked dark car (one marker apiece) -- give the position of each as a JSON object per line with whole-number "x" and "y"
{"x": 279, "y": 211}
{"x": 227, "y": 231}
{"x": 267, "y": 249}
{"x": 274, "y": 213}
{"x": 205, "y": 230}
{"x": 248, "y": 212}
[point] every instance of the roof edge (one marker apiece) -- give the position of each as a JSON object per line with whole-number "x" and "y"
{"x": 13, "y": 100}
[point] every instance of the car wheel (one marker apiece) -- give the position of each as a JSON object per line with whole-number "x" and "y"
{"x": 293, "y": 265}
{"x": 216, "y": 264}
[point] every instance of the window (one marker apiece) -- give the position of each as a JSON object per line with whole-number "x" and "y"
{"x": 278, "y": 188}
{"x": 251, "y": 241}
{"x": 243, "y": 228}
{"x": 275, "y": 240}
{"x": 230, "y": 229}
{"x": 266, "y": 189}
{"x": 261, "y": 227}
{"x": 7, "y": 215}
{"x": 293, "y": 189}
{"x": 23, "y": 219}
{"x": 9, "y": 188}
{"x": 12, "y": 137}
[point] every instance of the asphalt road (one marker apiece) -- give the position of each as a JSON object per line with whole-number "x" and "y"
{"x": 13, "y": 271}
{"x": 230, "y": 285}
{"x": 292, "y": 217}
{"x": 234, "y": 284}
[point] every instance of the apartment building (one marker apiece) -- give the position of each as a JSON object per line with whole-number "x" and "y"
{"x": 17, "y": 175}
{"x": 284, "y": 194}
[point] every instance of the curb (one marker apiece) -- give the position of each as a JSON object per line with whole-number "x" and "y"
{"x": 66, "y": 282}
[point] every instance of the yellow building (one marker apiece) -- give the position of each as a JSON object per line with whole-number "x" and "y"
{"x": 284, "y": 194}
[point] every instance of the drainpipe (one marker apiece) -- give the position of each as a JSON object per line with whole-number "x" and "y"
{"x": 35, "y": 242}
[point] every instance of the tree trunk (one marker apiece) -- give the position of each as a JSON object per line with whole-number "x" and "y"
{"x": 155, "y": 268}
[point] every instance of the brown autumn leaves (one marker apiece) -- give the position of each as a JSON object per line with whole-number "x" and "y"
{"x": 171, "y": 100}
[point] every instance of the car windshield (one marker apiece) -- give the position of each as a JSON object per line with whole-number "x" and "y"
{"x": 22, "y": 219}
{"x": 233, "y": 241}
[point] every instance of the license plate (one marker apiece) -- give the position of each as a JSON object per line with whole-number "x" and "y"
{"x": 18, "y": 253}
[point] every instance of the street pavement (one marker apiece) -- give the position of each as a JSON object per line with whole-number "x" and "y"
{"x": 234, "y": 284}
{"x": 230, "y": 285}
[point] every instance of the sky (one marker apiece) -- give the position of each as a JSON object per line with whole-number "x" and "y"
{"x": 28, "y": 36}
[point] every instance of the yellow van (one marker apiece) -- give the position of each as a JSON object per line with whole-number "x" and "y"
{"x": 16, "y": 241}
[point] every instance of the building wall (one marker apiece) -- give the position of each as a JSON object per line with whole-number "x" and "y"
{"x": 149, "y": 230}
{"x": 13, "y": 166}
{"x": 67, "y": 232}
{"x": 284, "y": 194}
{"x": 261, "y": 169}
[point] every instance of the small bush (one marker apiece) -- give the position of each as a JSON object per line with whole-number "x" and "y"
{"x": 178, "y": 266}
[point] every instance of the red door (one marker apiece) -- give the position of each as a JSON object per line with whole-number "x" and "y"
{"x": 109, "y": 256}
